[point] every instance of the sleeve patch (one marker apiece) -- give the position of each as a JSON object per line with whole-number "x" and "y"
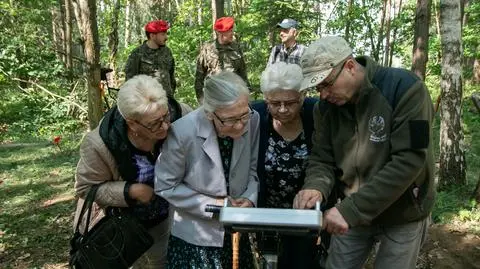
{"x": 419, "y": 134}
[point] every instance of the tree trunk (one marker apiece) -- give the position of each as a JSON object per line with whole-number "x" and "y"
{"x": 398, "y": 10}
{"x": 62, "y": 28}
{"x": 319, "y": 19}
{"x": 371, "y": 33}
{"x": 387, "y": 33}
{"x": 86, "y": 11}
{"x": 68, "y": 40}
{"x": 349, "y": 20}
{"x": 217, "y": 12}
{"x": 113, "y": 44}
{"x": 55, "y": 34}
{"x": 199, "y": 13}
{"x": 376, "y": 53}
{"x": 452, "y": 155}
{"x": 420, "y": 39}
{"x": 218, "y": 9}
{"x": 128, "y": 21}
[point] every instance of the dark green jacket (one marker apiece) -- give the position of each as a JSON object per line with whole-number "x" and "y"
{"x": 214, "y": 58}
{"x": 158, "y": 63}
{"x": 380, "y": 148}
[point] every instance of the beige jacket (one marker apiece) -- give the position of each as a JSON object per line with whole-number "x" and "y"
{"x": 97, "y": 165}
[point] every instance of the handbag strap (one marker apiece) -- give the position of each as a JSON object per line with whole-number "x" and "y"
{"x": 88, "y": 203}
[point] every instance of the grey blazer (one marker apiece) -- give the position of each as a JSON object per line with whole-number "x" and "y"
{"x": 189, "y": 175}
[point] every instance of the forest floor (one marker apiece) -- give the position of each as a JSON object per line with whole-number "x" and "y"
{"x": 448, "y": 246}
{"x": 451, "y": 246}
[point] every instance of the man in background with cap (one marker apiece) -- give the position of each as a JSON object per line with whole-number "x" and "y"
{"x": 289, "y": 51}
{"x": 153, "y": 57}
{"x": 373, "y": 136}
{"x": 223, "y": 53}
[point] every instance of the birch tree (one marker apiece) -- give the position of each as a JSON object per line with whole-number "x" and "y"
{"x": 452, "y": 154}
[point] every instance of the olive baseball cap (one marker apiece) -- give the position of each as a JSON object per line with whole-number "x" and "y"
{"x": 321, "y": 57}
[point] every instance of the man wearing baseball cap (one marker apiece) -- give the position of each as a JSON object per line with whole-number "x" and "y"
{"x": 223, "y": 53}
{"x": 289, "y": 51}
{"x": 153, "y": 57}
{"x": 373, "y": 137}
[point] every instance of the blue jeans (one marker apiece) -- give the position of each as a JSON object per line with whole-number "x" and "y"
{"x": 398, "y": 246}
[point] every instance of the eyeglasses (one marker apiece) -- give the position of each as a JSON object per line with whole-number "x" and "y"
{"x": 325, "y": 84}
{"x": 231, "y": 122}
{"x": 158, "y": 123}
{"x": 289, "y": 104}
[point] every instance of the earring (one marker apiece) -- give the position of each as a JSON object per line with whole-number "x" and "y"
{"x": 135, "y": 134}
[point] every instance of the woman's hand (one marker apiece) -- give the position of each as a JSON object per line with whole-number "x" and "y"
{"x": 240, "y": 202}
{"x": 141, "y": 192}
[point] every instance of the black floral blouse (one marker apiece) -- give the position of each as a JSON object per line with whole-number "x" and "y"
{"x": 285, "y": 164}
{"x": 225, "y": 145}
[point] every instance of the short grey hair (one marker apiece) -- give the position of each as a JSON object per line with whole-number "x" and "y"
{"x": 281, "y": 76}
{"x": 223, "y": 89}
{"x": 139, "y": 95}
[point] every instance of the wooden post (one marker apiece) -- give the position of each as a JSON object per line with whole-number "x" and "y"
{"x": 235, "y": 250}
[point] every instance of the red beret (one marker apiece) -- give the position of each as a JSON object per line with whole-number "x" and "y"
{"x": 224, "y": 24}
{"x": 157, "y": 26}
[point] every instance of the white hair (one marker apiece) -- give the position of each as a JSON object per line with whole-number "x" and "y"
{"x": 223, "y": 89}
{"x": 139, "y": 95}
{"x": 281, "y": 76}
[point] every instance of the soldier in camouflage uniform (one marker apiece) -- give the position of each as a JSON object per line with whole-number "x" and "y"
{"x": 153, "y": 57}
{"x": 224, "y": 53}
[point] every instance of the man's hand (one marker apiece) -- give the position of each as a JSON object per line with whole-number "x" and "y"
{"x": 141, "y": 192}
{"x": 334, "y": 222}
{"x": 241, "y": 202}
{"x": 306, "y": 199}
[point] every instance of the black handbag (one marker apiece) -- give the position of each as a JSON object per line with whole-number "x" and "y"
{"x": 116, "y": 241}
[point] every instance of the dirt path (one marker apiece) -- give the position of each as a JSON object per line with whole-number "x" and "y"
{"x": 450, "y": 246}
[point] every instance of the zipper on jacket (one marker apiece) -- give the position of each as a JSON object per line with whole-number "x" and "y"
{"x": 356, "y": 148}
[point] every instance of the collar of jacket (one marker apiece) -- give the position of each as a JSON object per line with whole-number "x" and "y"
{"x": 145, "y": 46}
{"x": 232, "y": 46}
{"x": 288, "y": 50}
{"x": 371, "y": 67}
{"x": 113, "y": 131}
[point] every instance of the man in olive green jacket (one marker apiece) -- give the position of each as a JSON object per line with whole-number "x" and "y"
{"x": 153, "y": 57}
{"x": 224, "y": 53}
{"x": 373, "y": 139}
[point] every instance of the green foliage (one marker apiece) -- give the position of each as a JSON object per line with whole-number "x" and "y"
{"x": 27, "y": 51}
{"x": 34, "y": 115}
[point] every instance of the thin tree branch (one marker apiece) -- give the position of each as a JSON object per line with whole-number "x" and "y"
{"x": 51, "y": 93}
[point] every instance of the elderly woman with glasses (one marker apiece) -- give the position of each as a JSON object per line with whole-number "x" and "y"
{"x": 210, "y": 155}
{"x": 286, "y": 127}
{"x": 120, "y": 155}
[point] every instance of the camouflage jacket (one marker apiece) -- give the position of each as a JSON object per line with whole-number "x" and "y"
{"x": 214, "y": 58}
{"x": 158, "y": 63}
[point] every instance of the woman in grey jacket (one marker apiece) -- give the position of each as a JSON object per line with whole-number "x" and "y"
{"x": 210, "y": 155}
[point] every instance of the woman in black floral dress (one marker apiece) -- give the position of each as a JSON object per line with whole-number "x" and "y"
{"x": 286, "y": 126}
